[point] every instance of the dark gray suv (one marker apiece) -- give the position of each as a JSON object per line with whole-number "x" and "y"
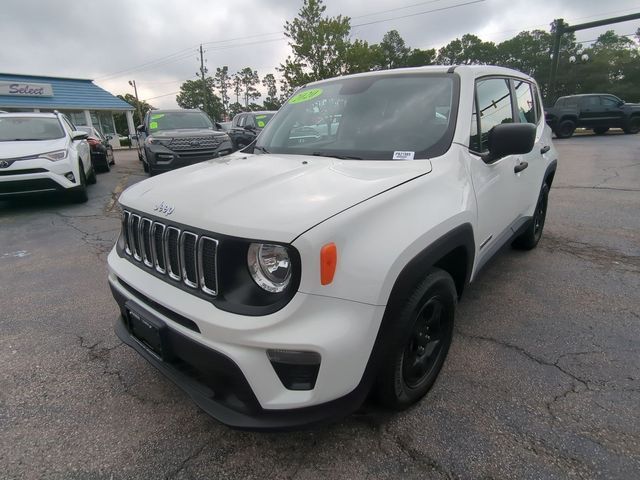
{"x": 171, "y": 139}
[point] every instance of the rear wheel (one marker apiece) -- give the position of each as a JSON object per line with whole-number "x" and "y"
{"x": 600, "y": 130}
{"x": 110, "y": 156}
{"x": 423, "y": 329}
{"x": 565, "y": 129}
{"x": 633, "y": 126}
{"x": 531, "y": 236}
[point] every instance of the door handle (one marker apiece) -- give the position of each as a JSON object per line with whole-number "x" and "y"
{"x": 520, "y": 167}
{"x": 545, "y": 149}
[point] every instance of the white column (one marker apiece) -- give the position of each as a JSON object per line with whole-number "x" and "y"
{"x": 130, "y": 125}
{"x": 87, "y": 117}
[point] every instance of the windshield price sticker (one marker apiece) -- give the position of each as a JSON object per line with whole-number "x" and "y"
{"x": 153, "y": 125}
{"x": 156, "y": 116}
{"x": 398, "y": 155}
{"x": 306, "y": 95}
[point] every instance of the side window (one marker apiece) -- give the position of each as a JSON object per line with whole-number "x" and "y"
{"x": 241, "y": 120}
{"x": 609, "y": 102}
{"x": 524, "y": 98}
{"x": 536, "y": 98}
{"x": 591, "y": 102}
{"x": 250, "y": 122}
{"x": 494, "y": 106}
{"x": 70, "y": 128}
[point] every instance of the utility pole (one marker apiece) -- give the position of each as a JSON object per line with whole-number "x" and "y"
{"x": 204, "y": 83}
{"x": 561, "y": 29}
{"x": 135, "y": 91}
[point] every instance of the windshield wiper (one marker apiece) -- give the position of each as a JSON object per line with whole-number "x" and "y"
{"x": 339, "y": 157}
{"x": 261, "y": 149}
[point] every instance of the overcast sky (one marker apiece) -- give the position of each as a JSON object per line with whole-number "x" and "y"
{"x": 155, "y": 42}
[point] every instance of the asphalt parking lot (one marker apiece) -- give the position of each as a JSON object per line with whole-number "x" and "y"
{"x": 542, "y": 380}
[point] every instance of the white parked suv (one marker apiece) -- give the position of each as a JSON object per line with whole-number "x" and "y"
{"x": 280, "y": 285}
{"x": 43, "y": 152}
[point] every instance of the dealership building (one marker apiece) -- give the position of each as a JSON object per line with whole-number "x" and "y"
{"x": 83, "y": 101}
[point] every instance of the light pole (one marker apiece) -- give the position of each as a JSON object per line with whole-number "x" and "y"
{"x": 135, "y": 90}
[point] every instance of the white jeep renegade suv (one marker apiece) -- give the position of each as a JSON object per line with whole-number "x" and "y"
{"x": 281, "y": 284}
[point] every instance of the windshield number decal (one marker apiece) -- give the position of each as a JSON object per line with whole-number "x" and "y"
{"x": 153, "y": 125}
{"x": 400, "y": 155}
{"x": 306, "y": 95}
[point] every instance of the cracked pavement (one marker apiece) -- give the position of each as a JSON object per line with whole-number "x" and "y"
{"x": 542, "y": 379}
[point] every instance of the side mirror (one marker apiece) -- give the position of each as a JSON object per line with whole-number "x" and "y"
{"x": 509, "y": 139}
{"x": 620, "y": 103}
{"x": 78, "y": 135}
{"x": 140, "y": 128}
{"x": 218, "y": 126}
{"x": 108, "y": 137}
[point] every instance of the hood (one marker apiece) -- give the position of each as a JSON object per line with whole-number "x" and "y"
{"x": 187, "y": 132}
{"x": 28, "y": 148}
{"x": 268, "y": 197}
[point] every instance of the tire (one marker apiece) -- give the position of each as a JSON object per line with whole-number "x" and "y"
{"x": 532, "y": 235}
{"x": 565, "y": 129}
{"x": 110, "y": 157}
{"x": 600, "y": 130}
{"x": 92, "y": 179}
{"x": 633, "y": 126}
{"x": 79, "y": 193}
{"x": 105, "y": 167}
{"x": 145, "y": 167}
{"x": 419, "y": 342}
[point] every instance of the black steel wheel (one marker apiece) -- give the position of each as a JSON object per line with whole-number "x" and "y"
{"x": 419, "y": 341}
{"x": 634, "y": 125}
{"x": 532, "y": 235}
{"x": 565, "y": 129}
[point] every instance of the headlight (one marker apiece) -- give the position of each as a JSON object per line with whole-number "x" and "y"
{"x": 55, "y": 156}
{"x": 157, "y": 141}
{"x": 270, "y": 266}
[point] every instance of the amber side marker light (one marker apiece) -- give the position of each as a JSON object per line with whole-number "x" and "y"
{"x": 328, "y": 263}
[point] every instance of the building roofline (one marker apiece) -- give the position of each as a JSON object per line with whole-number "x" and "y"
{"x": 45, "y": 76}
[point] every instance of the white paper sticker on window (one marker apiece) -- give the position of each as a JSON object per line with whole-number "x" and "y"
{"x": 397, "y": 155}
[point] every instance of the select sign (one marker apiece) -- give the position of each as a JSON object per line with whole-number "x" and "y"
{"x": 22, "y": 89}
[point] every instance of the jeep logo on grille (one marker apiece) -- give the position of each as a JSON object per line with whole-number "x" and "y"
{"x": 194, "y": 143}
{"x": 164, "y": 209}
{"x": 4, "y": 163}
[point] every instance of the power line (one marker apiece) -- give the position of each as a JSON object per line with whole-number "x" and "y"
{"x": 395, "y": 9}
{"x": 418, "y": 13}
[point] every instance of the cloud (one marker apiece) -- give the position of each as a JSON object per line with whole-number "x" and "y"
{"x": 156, "y": 42}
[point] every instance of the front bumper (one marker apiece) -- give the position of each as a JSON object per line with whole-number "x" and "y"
{"x": 163, "y": 159}
{"x": 36, "y": 176}
{"x": 251, "y": 395}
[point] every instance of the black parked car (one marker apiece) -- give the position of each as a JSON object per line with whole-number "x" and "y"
{"x": 171, "y": 139}
{"x": 598, "y": 112}
{"x": 101, "y": 151}
{"x": 246, "y": 126}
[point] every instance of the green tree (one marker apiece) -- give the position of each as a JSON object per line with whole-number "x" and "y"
{"x": 419, "y": 58}
{"x": 394, "y": 51}
{"x": 468, "y": 50}
{"x": 234, "y": 109}
{"x": 271, "y": 101}
{"x": 192, "y": 95}
{"x": 222, "y": 83}
{"x": 249, "y": 79}
{"x": 120, "y": 119}
{"x": 318, "y": 43}
{"x": 236, "y": 82}
{"x": 362, "y": 57}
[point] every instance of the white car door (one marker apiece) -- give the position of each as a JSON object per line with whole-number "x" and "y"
{"x": 494, "y": 183}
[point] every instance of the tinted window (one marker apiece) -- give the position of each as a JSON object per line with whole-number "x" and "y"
{"x": 591, "y": 102}
{"x": 571, "y": 102}
{"x": 609, "y": 102}
{"x": 524, "y": 99}
{"x": 262, "y": 119}
{"x": 378, "y": 117}
{"x": 250, "y": 122}
{"x": 29, "y": 128}
{"x": 494, "y": 106}
{"x": 241, "y": 120}
{"x": 178, "y": 120}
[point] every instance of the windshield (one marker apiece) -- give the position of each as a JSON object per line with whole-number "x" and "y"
{"x": 29, "y": 128}
{"x": 374, "y": 117}
{"x": 178, "y": 120}
{"x": 263, "y": 118}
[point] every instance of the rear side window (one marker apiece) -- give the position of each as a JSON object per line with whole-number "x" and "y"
{"x": 494, "y": 107}
{"x": 591, "y": 102}
{"x": 241, "y": 120}
{"x": 525, "y": 103}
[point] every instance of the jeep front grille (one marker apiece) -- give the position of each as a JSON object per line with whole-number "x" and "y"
{"x": 181, "y": 255}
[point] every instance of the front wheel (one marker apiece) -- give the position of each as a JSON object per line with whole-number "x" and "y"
{"x": 79, "y": 194}
{"x": 565, "y": 129}
{"x": 634, "y": 126}
{"x": 531, "y": 236}
{"x": 419, "y": 342}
